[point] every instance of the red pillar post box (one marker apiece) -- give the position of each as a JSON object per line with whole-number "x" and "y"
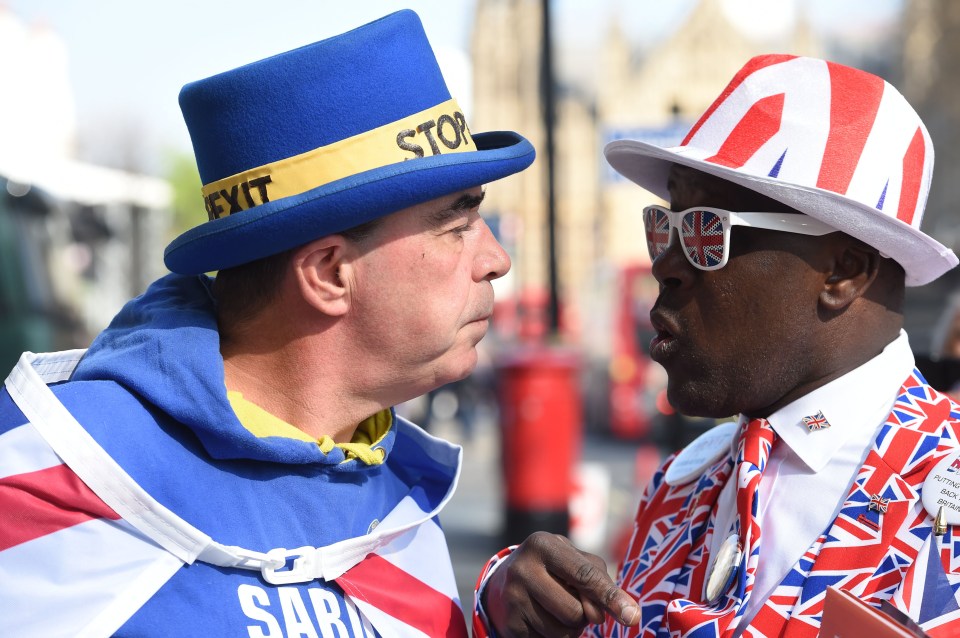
{"x": 540, "y": 415}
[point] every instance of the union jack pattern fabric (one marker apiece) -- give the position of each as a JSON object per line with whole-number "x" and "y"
{"x": 876, "y": 556}
{"x": 702, "y": 233}
{"x": 480, "y": 627}
{"x": 757, "y": 127}
{"x": 685, "y": 615}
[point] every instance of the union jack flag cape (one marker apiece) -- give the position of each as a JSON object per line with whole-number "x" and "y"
{"x": 83, "y": 548}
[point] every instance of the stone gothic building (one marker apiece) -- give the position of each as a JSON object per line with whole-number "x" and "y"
{"x": 655, "y": 96}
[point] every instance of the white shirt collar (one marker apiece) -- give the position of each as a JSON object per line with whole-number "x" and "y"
{"x": 860, "y": 399}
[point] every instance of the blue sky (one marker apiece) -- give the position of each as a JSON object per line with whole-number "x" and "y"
{"x": 128, "y": 59}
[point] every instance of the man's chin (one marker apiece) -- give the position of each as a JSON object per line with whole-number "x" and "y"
{"x": 688, "y": 400}
{"x": 459, "y": 367}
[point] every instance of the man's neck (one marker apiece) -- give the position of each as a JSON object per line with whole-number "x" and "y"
{"x": 287, "y": 385}
{"x": 841, "y": 363}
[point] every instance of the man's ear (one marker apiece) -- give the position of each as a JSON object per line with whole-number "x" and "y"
{"x": 854, "y": 269}
{"x": 317, "y": 268}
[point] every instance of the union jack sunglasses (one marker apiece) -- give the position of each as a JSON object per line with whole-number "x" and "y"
{"x": 705, "y": 232}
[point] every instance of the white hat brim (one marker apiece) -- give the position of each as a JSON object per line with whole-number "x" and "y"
{"x": 922, "y": 257}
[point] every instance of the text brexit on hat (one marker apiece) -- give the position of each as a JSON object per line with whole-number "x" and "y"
{"x": 439, "y": 130}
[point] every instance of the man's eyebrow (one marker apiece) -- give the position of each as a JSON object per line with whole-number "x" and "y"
{"x": 463, "y": 203}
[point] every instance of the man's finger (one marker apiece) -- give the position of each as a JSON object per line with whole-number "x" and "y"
{"x": 590, "y": 579}
{"x": 564, "y": 604}
{"x": 594, "y": 582}
{"x": 594, "y": 613}
{"x": 535, "y": 620}
{"x": 553, "y": 623}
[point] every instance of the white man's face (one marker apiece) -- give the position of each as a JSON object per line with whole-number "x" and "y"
{"x": 422, "y": 294}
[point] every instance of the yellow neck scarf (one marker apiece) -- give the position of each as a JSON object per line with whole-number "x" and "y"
{"x": 369, "y": 432}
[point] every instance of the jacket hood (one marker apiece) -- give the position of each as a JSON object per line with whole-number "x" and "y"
{"x": 164, "y": 347}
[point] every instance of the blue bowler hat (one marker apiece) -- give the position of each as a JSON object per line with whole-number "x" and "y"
{"x": 326, "y": 137}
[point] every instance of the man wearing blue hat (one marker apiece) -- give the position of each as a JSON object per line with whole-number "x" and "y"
{"x": 224, "y": 459}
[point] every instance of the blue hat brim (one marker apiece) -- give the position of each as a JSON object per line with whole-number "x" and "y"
{"x": 280, "y": 225}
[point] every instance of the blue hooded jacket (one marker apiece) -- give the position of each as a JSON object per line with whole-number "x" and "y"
{"x": 151, "y": 392}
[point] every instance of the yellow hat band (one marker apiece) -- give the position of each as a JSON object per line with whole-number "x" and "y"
{"x": 439, "y": 130}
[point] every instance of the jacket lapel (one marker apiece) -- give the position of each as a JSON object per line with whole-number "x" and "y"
{"x": 867, "y": 550}
{"x": 674, "y": 529}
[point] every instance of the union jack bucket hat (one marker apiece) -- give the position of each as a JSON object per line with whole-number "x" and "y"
{"x": 836, "y": 143}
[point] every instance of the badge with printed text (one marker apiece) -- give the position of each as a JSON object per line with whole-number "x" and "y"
{"x": 704, "y": 450}
{"x": 941, "y": 489}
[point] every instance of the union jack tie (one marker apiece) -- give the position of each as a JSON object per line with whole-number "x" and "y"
{"x": 720, "y": 618}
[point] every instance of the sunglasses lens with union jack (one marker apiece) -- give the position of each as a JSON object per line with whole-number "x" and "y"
{"x": 705, "y": 232}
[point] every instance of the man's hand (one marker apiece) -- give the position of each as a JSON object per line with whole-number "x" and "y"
{"x": 548, "y": 587}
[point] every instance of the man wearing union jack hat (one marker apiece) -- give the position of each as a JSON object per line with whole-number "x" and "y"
{"x": 792, "y": 229}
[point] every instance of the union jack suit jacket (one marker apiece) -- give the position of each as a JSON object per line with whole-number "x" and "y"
{"x": 892, "y": 556}
{"x": 876, "y": 556}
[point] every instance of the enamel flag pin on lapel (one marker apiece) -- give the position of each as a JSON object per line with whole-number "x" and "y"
{"x": 816, "y": 422}
{"x": 878, "y": 504}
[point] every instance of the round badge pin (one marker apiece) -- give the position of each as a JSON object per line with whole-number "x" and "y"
{"x": 941, "y": 489}
{"x": 724, "y": 567}
{"x": 696, "y": 457}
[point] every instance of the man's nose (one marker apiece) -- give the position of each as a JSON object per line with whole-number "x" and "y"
{"x": 671, "y": 267}
{"x": 493, "y": 261}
